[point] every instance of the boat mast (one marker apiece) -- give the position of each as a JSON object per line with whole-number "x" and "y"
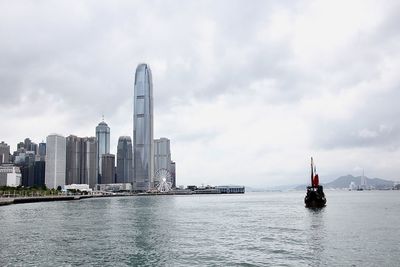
{"x": 312, "y": 171}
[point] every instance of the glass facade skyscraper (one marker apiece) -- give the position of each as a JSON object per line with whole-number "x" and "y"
{"x": 108, "y": 169}
{"x": 42, "y": 151}
{"x": 143, "y": 153}
{"x": 162, "y": 157}
{"x": 124, "y": 160}
{"x": 103, "y": 145}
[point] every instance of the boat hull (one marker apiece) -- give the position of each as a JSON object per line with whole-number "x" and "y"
{"x": 315, "y": 197}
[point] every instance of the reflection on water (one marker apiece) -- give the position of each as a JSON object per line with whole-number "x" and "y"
{"x": 316, "y": 234}
{"x": 152, "y": 224}
{"x": 259, "y": 229}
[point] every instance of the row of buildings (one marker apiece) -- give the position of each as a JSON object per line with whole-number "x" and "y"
{"x": 87, "y": 160}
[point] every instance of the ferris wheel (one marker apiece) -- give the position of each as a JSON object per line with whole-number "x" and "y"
{"x": 163, "y": 179}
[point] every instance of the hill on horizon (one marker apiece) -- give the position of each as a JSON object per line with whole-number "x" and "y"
{"x": 344, "y": 182}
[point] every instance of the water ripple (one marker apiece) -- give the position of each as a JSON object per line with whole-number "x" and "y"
{"x": 270, "y": 229}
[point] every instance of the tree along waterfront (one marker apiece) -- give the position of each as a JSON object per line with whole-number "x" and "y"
{"x": 19, "y": 191}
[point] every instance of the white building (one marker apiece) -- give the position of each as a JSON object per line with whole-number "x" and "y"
{"x": 14, "y": 178}
{"x": 114, "y": 187}
{"x": 55, "y": 161}
{"x": 10, "y": 175}
{"x": 352, "y": 186}
{"x": 80, "y": 187}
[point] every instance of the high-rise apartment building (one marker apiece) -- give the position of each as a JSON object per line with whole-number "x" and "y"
{"x": 108, "y": 169}
{"x": 124, "y": 160}
{"x": 4, "y": 153}
{"x": 55, "y": 161}
{"x": 143, "y": 152}
{"x": 103, "y": 145}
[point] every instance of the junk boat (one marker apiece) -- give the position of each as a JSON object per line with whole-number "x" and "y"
{"x": 315, "y": 197}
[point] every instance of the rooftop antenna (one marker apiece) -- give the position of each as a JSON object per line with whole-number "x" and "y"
{"x": 102, "y": 117}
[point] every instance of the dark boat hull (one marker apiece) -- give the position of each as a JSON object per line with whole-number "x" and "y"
{"x": 315, "y": 197}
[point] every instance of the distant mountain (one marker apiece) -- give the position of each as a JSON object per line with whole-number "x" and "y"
{"x": 344, "y": 182}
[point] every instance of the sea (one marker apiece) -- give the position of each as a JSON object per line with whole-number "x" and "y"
{"x": 356, "y": 228}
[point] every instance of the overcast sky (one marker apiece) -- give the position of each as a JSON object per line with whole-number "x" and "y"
{"x": 247, "y": 91}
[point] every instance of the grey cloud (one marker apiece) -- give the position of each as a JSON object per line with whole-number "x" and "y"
{"x": 78, "y": 60}
{"x": 379, "y": 117}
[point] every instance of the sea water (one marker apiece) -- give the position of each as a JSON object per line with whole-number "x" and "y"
{"x": 357, "y": 228}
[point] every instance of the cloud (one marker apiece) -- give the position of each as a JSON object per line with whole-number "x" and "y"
{"x": 246, "y": 93}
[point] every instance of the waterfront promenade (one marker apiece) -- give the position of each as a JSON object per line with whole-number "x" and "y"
{"x": 31, "y": 199}
{"x": 21, "y": 200}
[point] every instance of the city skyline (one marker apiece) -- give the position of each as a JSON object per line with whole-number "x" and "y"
{"x": 246, "y": 94}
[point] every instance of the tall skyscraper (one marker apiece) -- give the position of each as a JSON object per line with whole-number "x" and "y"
{"x": 42, "y": 151}
{"x": 39, "y": 173}
{"x": 55, "y": 161}
{"x": 33, "y": 174}
{"x": 143, "y": 153}
{"x": 73, "y": 160}
{"x": 108, "y": 169}
{"x": 4, "y": 153}
{"x": 162, "y": 157}
{"x": 81, "y": 161}
{"x": 90, "y": 165}
{"x": 124, "y": 160}
{"x": 34, "y": 148}
{"x": 103, "y": 145}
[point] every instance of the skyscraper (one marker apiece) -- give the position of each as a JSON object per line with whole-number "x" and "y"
{"x": 162, "y": 156}
{"x": 124, "y": 160}
{"x": 55, "y": 161}
{"x": 4, "y": 153}
{"x": 73, "y": 159}
{"x": 143, "y": 153}
{"x": 33, "y": 173}
{"x": 28, "y": 144}
{"x": 42, "y": 151}
{"x": 173, "y": 173}
{"x": 90, "y": 165}
{"x": 81, "y": 161}
{"x": 108, "y": 169}
{"x": 103, "y": 145}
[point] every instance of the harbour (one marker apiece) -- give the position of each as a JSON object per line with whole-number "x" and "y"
{"x": 264, "y": 229}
